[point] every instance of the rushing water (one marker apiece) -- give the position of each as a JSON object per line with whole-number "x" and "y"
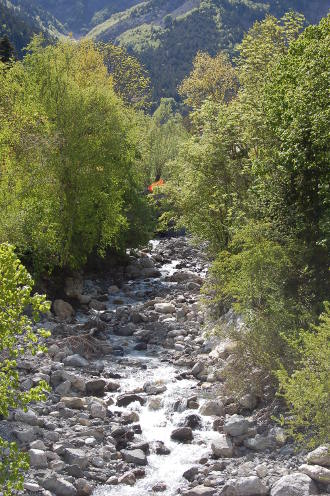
{"x": 136, "y": 369}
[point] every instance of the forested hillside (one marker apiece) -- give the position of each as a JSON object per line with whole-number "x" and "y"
{"x": 165, "y": 35}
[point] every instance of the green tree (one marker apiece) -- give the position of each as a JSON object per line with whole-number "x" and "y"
{"x": 130, "y": 80}
{"x": 69, "y": 149}
{"x": 307, "y": 390}
{"x": 19, "y": 336}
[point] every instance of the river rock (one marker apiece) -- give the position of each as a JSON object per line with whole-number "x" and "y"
{"x": 63, "y": 310}
{"x": 58, "y": 485}
{"x": 245, "y": 486}
{"x": 164, "y": 308}
{"x": 295, "y": 484}
{"x": 182, "y": 434}
{"x": 29, "y": 417}
{"x": 320, "y": 456}
{"x": 84, "y": 488}
{"x": 38, "y": 458}
{"x": 136, "y": 456}
{"x": 190, "y": 474}
{"x": 222, "y": 446}
{"x": 160, "y": 487}
{"x": 75, "y": 361}
{"x": 193, "y": 421}
{"x": 98, "y": 410}
{"x": 73, "y": 402}
{"x": 317, "y": 473}
{"x": 129, "y": 479}
{"x": 260, "y": 443}
{"x": 161, "y": 449}
{"x": 95, "y": 387}
{"x": 236, "y": 425}
{"x": 75, "y": 456}
{"x": 200, "y": 491}
{"x": 211, "y": 408}
{"x": 127, "y": 399}
{"x": 26, "y": 435}
{"x": 125, "y": 330}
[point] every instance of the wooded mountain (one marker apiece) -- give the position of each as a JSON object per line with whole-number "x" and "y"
{"x": 164, "y": 34}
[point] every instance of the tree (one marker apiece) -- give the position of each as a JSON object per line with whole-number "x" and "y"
{"x": 18, "y": 337}
{"x": 6, "y": 49}
{"x": 211, "y": 77}
{"x": 68, "y": 157}
{"x": 130, "y": 80}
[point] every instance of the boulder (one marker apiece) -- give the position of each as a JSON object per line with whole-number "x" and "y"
{"x": 193, "y": 421}
{"x": 98, "y": 410}
{"x": 222, "y": 446}
{"x": 182, "y": 434}
{"x": 127, "y": 399}
{"x": 245, "y": 486}
{"x": 200, "y": 491}
{"x": 295, "y": 484}
{"x": 74, "y": 456}
{"x": 136, "y": 456}
{"x": 95, "y": 387}
{"x": 317, "y": 473}
{"x": 84, "y": 488}
{"x": 125, "y": 330}
{"x": 129, "y": 479}
{"x": 28, "y": 417}
{"x": 320, "y": 456}
{"x": 212, "y": 407}
{"x": 38, "y": 458}
{"x": 75, "y": 361}
{"x": 260, "y": 443}
{"x": 236, "y": 425}
{"x": 73, "y": 402}
{"x": 63, "y": 310}
{"x": 164, "y": 308}
{"x": 59, "y": 486}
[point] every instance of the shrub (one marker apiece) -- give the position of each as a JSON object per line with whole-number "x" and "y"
{"x": 18, "y": 337}
{"x": 307, "y": 390}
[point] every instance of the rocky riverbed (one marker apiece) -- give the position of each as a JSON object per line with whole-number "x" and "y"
{"x": 137, "y": 405}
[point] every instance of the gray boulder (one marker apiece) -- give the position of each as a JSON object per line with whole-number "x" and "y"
{"x": 182, "y": 434}
{"x": 295, "y": 484}
{"x": 136, "y": 456}
{"x": 245, "y": 486}
{"x": 58, "y": 486}
{"x": 222, "y": 447}
{"x": 75, "y": 361}
{"x": 38, "y": 458}
{"x": 212, "y": 407}
{"x": 74, "y": 456}
{"x": 317, "y": 473}
{"x": 320, "y": 456}
{"x": 236, "y": 425}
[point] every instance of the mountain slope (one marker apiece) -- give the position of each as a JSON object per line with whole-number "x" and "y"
{"x": 166, "y": 34}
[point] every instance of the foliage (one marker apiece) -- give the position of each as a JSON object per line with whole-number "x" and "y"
{"x": 253, "y": 181}
{"x": 307, "y": 390}
{"x": 68, "y": 157}
{"x": 211, "y": 77}
{"x": 164, "y": 134}
{"x": 130, "y": 80}
{"x": 18, "y": 336}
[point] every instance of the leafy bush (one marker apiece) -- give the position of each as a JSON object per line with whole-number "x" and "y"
{"x": 307, "y": 390}
{"x": 18, "y": 336}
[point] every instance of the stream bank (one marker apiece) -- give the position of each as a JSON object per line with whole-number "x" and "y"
{"x": 137, "y": 405}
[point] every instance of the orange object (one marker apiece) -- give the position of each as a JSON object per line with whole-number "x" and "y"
{"x": 157, "y": 184}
